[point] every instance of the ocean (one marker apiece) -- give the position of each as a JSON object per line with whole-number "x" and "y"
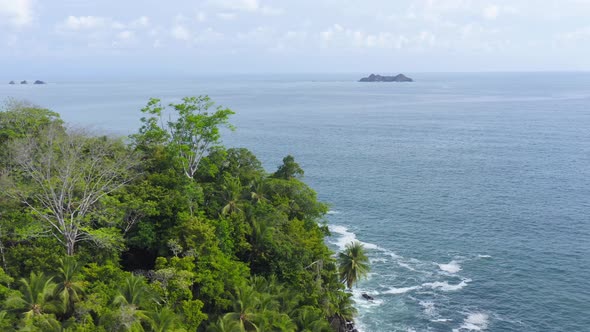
{"x": 471, "y": 192}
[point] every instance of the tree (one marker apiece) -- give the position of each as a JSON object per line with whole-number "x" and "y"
{"x": 69, "y": 286}
{"x": 35, "y": 297}
{"x": 61, "y": 176}
{"x": 353, "y": 263}
{"x": 289, "y": 169}
{"x": 190, "y": 132}
{"x": 162, "y": 320}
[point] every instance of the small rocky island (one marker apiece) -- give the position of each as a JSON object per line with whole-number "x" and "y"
{"x": 25, "y": 82}
{"x": 379, "y": 78}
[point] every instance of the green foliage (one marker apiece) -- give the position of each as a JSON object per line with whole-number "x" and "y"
{"x": 182, "y": 234}
{"x": 289, "y": 169}
{"x": 353, "y": 263}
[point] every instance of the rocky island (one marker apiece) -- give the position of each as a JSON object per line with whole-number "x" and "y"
{"x": 11, "y": 82}
{"x": 24, "y": 82}
{"x": 379, "y": 78}
{"x": 39, "y": 82}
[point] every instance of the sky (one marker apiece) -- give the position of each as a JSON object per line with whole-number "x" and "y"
{"x": 155, "y": 37}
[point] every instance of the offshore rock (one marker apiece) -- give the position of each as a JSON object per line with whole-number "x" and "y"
{"x": 24, "y": 82}
{"x": 39, "y": 82}
{"x": 11, "y": 82}
{"x": 379, "y": 78}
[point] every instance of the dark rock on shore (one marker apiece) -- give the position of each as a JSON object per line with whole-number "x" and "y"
{"x": 11, "y": 82}
{"x": 39, "y": 82}
{"x": 367, "y": 297}
{"x": 340, "y": 324}
{"x": 24, "y": 82}
{"x": 379, "y": 78}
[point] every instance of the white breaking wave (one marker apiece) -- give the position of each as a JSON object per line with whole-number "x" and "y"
{"x": 452, "y": 267}
{"x": 484, "y": 256}
{"x": 333, "y": 212}
{"x": 401, "y": 290}
{"x": 347, "y": 237}
{"x": 477, "y": 321}
{"x": 429, "y": 308}
{"x": 445, "y": 286}
{"x": 404, "y": 265}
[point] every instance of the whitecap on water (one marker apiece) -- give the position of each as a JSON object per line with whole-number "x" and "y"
{"x": 333, "y": 212}
{"x": 476, "y": 321}
{"x": 347, "y": 237}
{"x": 484, "y": 256}
{"x": 401, "y": 290}
{"x": 445, "y": 286}
{"x": 451, "y": 267}
{"x": 429, "y": 308}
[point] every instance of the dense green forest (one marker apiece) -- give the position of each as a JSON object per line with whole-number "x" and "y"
{"x": 165, "y": 230}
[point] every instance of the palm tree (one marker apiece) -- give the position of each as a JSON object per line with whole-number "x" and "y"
{"x": 69, "y": 287}
{"x": 310, "y": 319}
{"x": 232, "y": 195}
{"x": 134, "y": 292}
{"x": 341, "y": 309}
{"x": 162, "y": 320}
{"x": 257, "y": 193}
{"x": 35, "y": 296}
{"x": 225, "y": 324}
{"x": 353, "y": 263}
{"x": 246, "y": 305}
{"x": 132, "y": 296}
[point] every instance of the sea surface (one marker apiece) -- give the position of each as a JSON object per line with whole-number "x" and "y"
{"x": 471, "y": 192}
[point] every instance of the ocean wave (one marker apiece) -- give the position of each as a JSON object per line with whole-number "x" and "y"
{"x": 429, "y": 308}
{"x": 347, "y": 237}
{"x": 445, "y": 286}
{"x": 401, "y": 290}
{"x": 333, "y": 212}
{"x": 476, "y": 321}
{"x": 451, "y": 267}
{"x": 484, "y": 256}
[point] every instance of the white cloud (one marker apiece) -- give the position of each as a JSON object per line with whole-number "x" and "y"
{"x": 16, "y": 13}
{"x": 141, "y": 22}
{"x": 227, "y": 16}
{"x": 253, "y": 6}
{"x": 80, "y": 23}
{"x": 126, "y": 35}
{"x": 242, "y": 5}
{"x": 201, "y": 17}
{"x": 181, "y": 33}
{"x": 491, "y": 12}
{"x": 84, "y": 22}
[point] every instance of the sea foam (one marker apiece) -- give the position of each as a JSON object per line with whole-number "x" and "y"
{"x": 445, "y": 286}
{"x": 476, "y": 321}
{"x": 451, "y": 267}
{"x": 347, "y": 237}
{"x": 401, "y": 290}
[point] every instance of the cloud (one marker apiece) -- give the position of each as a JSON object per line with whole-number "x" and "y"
{"x": 227, "y": 16}
{"x": 491, "y": 12}
{"x": 76, "y": 23}
{"x": 252, "y": 6}
{"x": 17, "y": 13}
{"x": 81, "y": 23}
{"x": 181, "y": 33}
{"x": 126, "y": 35}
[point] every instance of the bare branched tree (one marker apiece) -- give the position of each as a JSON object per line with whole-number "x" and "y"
{"x": 62, "y": 174}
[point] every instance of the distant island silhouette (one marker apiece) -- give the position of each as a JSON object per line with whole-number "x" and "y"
{"x": 379, "y": 78}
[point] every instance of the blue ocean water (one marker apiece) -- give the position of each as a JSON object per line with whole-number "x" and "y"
{"x": 471, "y": 192}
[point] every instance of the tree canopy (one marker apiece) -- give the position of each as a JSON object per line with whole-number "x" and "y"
{"x": 166, "y": 231}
